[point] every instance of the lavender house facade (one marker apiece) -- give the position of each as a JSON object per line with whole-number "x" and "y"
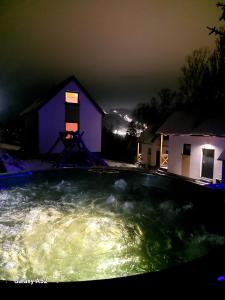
{"x": 68, "y": 107}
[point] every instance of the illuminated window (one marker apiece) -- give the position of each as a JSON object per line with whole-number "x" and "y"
{"x": 71, "y": 112}
{"x": 71, "y": 97}
{"x": 71, "y": 126}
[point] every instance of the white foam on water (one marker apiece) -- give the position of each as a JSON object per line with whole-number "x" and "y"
{"x": 111, "y": 200}
{"x": 128, "y": 207}
{"x": 56, "y": 244}
{"x": 120, "y": 184}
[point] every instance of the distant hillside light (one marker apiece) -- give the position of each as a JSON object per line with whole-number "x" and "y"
{"x": 121, "y": 132}
{"x": 127, "y": 118}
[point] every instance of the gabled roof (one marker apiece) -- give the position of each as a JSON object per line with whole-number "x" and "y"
{"x": 146, "y": 137}
{"x": 211, "y": 126}
{"x": 222, "y": 155}
{"x": 182, "y": 123}
{"x": 42, "y": 101}
{"x": 178, "y": 123}
{"x": 149, "y": 135}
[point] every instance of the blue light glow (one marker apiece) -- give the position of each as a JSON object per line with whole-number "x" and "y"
{"x": 16, "y": 175}
{"x": 8, "y": 180}
{"x": 221, "y": 278}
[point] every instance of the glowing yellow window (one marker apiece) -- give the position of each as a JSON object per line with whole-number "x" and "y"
{"x": 71, "y": 97}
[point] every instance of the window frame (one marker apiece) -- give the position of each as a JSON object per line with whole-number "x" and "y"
{"x": 70, "y": 104}
{"x": 186, "y": 151}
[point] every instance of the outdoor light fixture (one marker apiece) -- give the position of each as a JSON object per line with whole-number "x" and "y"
{"x": 207, "y": 146}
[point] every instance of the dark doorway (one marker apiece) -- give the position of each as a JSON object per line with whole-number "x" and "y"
{"x": 157, "y": 158}
{"x": 207, "y": 163}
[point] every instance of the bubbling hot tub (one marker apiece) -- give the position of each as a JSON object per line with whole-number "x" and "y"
{"x": 69, "y": 225}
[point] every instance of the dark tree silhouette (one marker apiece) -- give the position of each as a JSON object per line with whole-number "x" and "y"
{"x": 223, "y": 10}
{"x": 202, "y": 80}
{"x": 192, "y": 79}
{"x": 217, "y": 63}
{"x": 132, "y": 129}
{"x": 167, "y": 100}
{"x": 147, "y": 113}
{"x": 154, "y": 112}
{"x": 214, "y": 30}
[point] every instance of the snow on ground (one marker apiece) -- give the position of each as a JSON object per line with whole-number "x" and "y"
{"x": 112, "y": 163}
{"x": 15, "y": 165}
{"x": 36, "y": 164}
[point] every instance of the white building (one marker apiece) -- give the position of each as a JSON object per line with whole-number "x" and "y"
{"x": 196, "y": 144}
{"x": 149, "y": 145}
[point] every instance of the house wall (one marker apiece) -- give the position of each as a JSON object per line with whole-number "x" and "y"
{"x": 52, "y": 121}
{"x": 30, "y": 131}
{"x": 154, "y": 146}
{"x": 223, "y": 171}
{"x": 144, "y": 153}
{"x": 197, "y": 144}
{"x": 91, "y": 124}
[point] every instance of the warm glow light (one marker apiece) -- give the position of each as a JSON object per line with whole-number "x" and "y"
{"x": 207, "y": 146}
{"x": 71, "y": 97}
{"x": 71, "y": 126}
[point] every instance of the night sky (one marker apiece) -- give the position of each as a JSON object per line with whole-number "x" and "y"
{"x": 122, "y": 51}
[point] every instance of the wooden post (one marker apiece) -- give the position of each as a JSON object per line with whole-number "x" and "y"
{"x": 161, "y": 148}
{"x": 138, "y": 149}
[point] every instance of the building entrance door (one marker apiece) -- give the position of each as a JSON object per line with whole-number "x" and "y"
{"x": 207, "y": 163}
